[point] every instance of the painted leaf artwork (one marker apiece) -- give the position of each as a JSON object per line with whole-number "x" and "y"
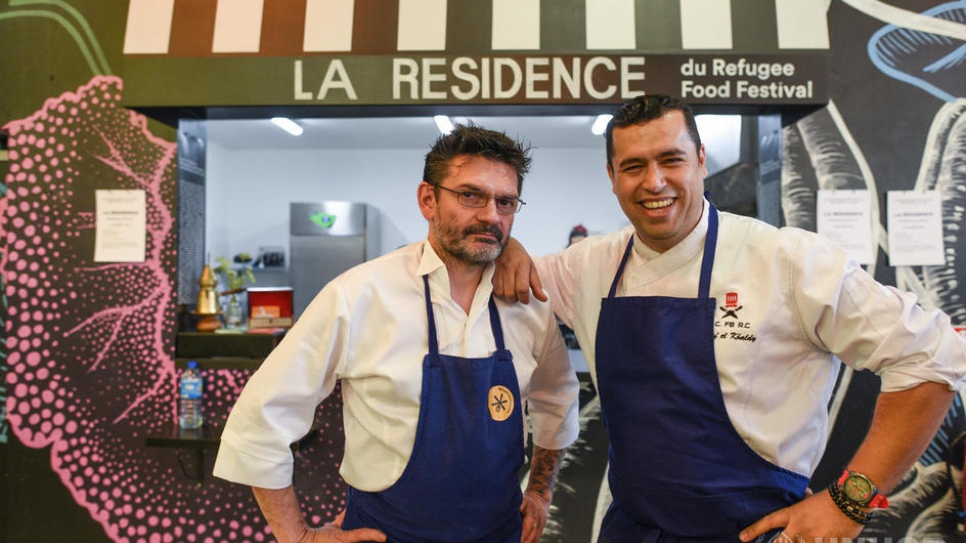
{"x": 90, "y": 345}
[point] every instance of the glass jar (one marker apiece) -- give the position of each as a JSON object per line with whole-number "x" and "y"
{"x": 234, "y": 315}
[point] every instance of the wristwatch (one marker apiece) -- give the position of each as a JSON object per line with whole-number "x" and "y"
{"x": 860, "y": 490}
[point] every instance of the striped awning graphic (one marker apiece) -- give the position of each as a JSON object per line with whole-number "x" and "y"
{"x": 213, "y": 28}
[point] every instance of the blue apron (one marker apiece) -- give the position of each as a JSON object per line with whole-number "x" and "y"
{"x": 679, "y": 472}
{"x": 462, "y": 482}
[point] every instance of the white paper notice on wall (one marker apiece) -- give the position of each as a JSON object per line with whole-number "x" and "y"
{"x": 121, "y": 226}
{"x": 845, "y": 217}
{"x": 915, "y": 228}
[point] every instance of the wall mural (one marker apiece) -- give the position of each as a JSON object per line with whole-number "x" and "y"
{"x": 74, "y": 327}
{"x": 925, "y": 53}
{"x": 89, "y": 368}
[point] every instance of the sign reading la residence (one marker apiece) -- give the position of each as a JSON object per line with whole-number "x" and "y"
{"x": 407, "y": 52}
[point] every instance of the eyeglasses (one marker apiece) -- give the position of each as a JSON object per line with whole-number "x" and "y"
{"x": 507, "y": 205}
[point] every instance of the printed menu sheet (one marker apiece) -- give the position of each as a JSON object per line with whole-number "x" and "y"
{"x": 121, "y": 226}
{"x": 915, "y": 228}
{"x": 845, "y": 217}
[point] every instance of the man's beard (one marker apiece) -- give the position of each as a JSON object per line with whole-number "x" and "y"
{"x": 454, "y": 243}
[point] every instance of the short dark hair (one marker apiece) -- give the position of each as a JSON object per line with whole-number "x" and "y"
{"x": 647, "y": 108}
{"x": 473, "y": 140}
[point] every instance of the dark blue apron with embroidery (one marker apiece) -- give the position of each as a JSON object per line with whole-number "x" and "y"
{"x": 462, "y": 482}
{"x": 679, "y": 471}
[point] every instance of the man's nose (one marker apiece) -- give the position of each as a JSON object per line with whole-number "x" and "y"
{"x": 488, "y": 212}
{"x": 654, "y": 180}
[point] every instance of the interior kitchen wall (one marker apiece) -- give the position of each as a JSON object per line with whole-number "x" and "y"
{"x": 249, "y": 188}
{"x": 249, "y": 194}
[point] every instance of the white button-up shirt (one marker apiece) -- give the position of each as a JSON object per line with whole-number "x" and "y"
{"x": 368, "y": 329}
{"x": 787, "y": 301}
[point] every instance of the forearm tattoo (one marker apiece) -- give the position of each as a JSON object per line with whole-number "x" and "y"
{"x": 544, "y": 469}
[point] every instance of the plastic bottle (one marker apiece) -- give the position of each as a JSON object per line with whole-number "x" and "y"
{"x": 190, "y": 387}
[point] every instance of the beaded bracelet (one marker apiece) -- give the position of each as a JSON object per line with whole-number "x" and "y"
{"x": 847, "y": 506}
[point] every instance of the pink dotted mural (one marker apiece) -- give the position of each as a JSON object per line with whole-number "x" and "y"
{"x": 90, "y": 345}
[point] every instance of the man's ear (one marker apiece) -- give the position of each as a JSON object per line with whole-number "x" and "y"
{"x": 613, "y": 180}
{"x": 426, "y": 196}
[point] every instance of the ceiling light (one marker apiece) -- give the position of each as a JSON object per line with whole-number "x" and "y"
{"x": 288, "y": 125}
{"x": 600, "y": 124}
{"x": 444, "y": 124}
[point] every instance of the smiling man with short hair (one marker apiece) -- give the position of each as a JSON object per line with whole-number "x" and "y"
{"x": 715, "y": 341}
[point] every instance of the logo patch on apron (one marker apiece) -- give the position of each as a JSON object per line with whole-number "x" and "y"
{"x": 500, "y": 403}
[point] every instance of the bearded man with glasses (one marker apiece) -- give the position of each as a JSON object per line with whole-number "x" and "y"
{"x": 434, "y": 372}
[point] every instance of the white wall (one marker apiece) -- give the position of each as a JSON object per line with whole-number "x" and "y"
{"x": 249, "y": 194}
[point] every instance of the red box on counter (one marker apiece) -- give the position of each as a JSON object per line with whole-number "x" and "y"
{"x": 270, "y": 307}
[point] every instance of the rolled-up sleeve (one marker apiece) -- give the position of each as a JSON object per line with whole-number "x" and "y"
{"x": 911, "y": 344}
{"x": 278, "y": 404}
{"x": 873, "y": 326}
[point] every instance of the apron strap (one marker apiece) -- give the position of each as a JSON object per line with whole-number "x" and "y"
{"x": 620, "y": 269}
{"x": 433, "y": 342}
{"x": 495, "y": 325}
{"x": 704, "y": 287}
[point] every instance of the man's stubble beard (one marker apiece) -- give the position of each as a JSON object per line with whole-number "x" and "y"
{"x": 452, "y": 243}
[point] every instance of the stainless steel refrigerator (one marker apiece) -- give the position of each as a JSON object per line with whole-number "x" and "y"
{"x": 326, "y": 239}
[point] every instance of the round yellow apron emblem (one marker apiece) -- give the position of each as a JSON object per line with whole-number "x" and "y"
{"x": 500, "y": 403}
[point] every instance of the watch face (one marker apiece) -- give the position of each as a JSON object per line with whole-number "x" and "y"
{"x": 858, "y": 489}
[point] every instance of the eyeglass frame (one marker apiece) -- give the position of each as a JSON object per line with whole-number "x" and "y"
{"x": 486, "y": 199}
